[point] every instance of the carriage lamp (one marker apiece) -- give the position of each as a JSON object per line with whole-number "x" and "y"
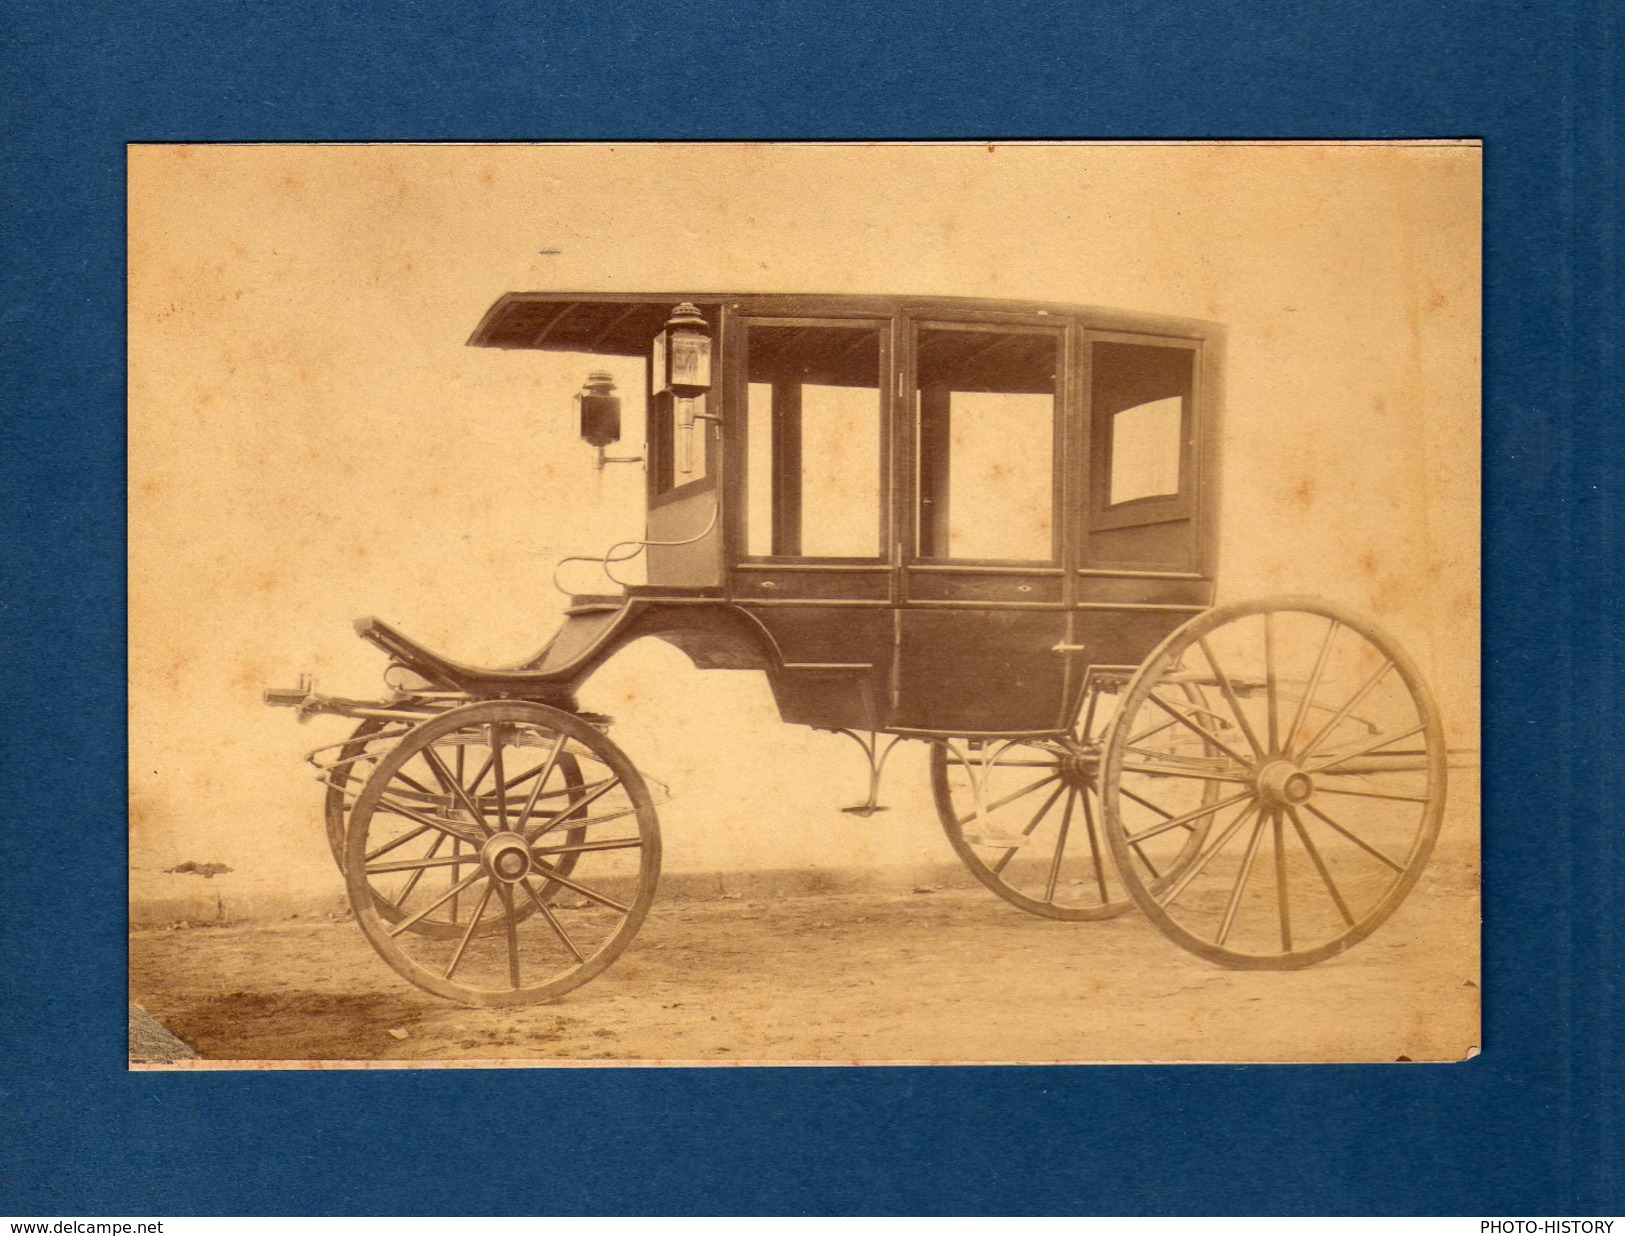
{"x": 683, "y": 354}
{"x": 598, "y": 409}
{"x": 682, "y": 369}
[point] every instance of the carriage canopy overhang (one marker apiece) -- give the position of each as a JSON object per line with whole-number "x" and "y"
{"x": 622, "y": 324}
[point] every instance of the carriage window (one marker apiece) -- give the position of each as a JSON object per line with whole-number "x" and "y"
{"x": 1141, "y": 394}
{"x": 1145, "y": 450}
{"x": 986, "y": 444}
{"x": 813, "y": 435}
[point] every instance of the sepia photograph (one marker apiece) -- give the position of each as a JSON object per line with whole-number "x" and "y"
{"x": 803, "y": 604}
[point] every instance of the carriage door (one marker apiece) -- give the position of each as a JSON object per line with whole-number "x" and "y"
{"x": 982, "y": 587}
{"x": 811, "y": 512}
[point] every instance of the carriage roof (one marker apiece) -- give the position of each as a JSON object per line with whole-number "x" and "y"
{"x": 621, "y": 324}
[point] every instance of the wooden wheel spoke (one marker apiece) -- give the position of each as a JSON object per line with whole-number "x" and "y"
{"x": 1214, "y": 764}
{"x": 1094, "y": 848}
{"x": 412, "y": 798}
{"x": 451, "y": 785}
{"x": 1206, "y": 734}
{"x": 421, "y": 864}
{"x": 1145, "y": 802}
{"x": 1394, "y": 798}
{"x": 1199, "y": 864}
{"x": 495, "y": 763}
{"x": 399, "y": 841}
{"x": 542, "y": 773}
{"x": 1060, "y": 848}
{"x": 1229, "y": 693}
{"x": 1364, "y": 845}
{"x": 1009, "y": 798}
{"x": 1366, "y": 689}
{"x": 519, "y": 779}
{"x": 392, "y": 807}
{"x": 1313, "y": 851}
{"x": 485, "y": 768}
{"x": 553, "y": 922}
{"x": 586, "y": 821}
{"x": 468, "y": 934}
{"x": 456, "y": 866}
{"x": 1168, "y": 770}
{"x": 417, "y": 871}
{"x": 561, "y": 792}
{"x": 415, "y": 784}
{"x": 1309, "y": 691}
{"x": 1283, "y": 897}
{"x": 466, "y": 882}
{"x": 511, "y": 930}
{"x": 582, "y": 804}
{"x": 1366, "y": 749}
{"x": 1145, "y": 860}
{"x": 1150, "y": 733}
{"x": 1032, "y": 826}
{"x": 1242, "y": 876}
{"x": 552, "y": 873}
{"x": 589, "y": 847}
{"x": 1187, "y": 821}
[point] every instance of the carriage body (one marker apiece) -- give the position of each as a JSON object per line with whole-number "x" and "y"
{"x": 968, "y": 538}
{"x": 988, "y": 525}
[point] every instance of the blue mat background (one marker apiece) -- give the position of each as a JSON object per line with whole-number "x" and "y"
{"x": 1531, "y": 1127}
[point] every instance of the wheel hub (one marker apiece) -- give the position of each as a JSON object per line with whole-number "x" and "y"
{"x": 1078, "y": 767}
{"x": 506, "y": 857}
{"x": 1284, "y": 784}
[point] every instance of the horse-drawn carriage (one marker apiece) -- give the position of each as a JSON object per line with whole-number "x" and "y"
{"x": 985, "y": 525}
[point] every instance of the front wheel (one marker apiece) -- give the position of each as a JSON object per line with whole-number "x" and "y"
{"x": 470, "y": 759}
{"x": 539, "y": 882}
{"x": 1318, "y": 779}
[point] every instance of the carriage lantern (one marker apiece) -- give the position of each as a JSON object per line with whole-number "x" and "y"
{"x": 682, "y": 354}
{"x": 599, "y": 409}
{"x": 682, "y": 369}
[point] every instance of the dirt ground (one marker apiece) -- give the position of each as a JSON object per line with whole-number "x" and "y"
{"x": 952, "y": 974}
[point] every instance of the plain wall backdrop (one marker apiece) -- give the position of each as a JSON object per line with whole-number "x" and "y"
{"x": 310, "y": 440}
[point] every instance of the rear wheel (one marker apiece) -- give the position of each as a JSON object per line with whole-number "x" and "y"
{"x": 1324, "y": 777}
{"x": 540, "y": 880}
{"x": 1024, "y": 817}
